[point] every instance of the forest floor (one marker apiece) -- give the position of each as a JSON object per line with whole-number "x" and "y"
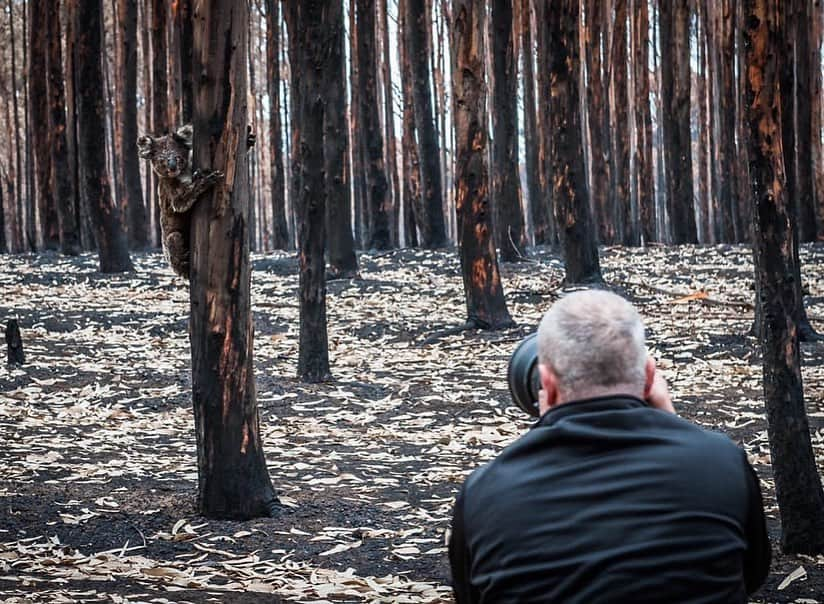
{"x": 97, "y": 462}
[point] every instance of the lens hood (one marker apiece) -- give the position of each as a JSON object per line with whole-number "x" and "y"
{"x": 522, "y": 375}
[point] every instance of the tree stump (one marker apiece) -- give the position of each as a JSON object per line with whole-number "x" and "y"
{"x": 14, "y": 343}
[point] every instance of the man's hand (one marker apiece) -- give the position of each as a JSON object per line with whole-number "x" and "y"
{"x": 658, "y": 395}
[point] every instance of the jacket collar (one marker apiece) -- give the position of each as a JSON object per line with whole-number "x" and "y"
{"x": 589, "y": 405}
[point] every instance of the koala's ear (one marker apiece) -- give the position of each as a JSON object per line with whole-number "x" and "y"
{"x": 184, "y": 135}
{"x": 144, "y": 146}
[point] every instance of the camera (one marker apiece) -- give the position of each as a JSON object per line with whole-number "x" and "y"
{"x": 522, "y": 375}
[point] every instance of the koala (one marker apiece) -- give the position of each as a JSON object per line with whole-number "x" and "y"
{"x": 177, "y": 191}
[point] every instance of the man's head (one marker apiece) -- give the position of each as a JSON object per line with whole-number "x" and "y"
{"x": 591, "y": 343}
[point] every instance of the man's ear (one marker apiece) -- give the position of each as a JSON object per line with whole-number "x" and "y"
{"x": 549, "y": 388}
{"x": 649, "y": 376}
{"x": 144, "y": 146}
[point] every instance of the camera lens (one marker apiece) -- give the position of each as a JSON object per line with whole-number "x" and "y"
{"x": 522, "y": 375}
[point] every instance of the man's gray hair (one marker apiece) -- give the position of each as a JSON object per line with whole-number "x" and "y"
{"x": 593, "y": 339}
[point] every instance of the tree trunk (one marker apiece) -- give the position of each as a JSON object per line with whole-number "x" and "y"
{"x": 817, "y": 101}
{"x": 429, "y": 217}
{"x": 797, "y": 483}
{"x": 233, "y": 481}
{"x": 31, "y": 218}
{"x": 412, "y": 200}
{"x": 644, "y": 182}
{"x": 343, "y": 263}
{"x": 573, "y": 215}
{"x": 18, "y": 166}
{"x": 538, "y": 208}
{"x": 132, "y": 199}
{"x": 699, "y": 101}
{"x": 369, "y": 117}
{"x": 280, "y": 229}
{"x": 543, "y": 61}
{"x": 627, "y": 224}
{"x": 311, "y": 24}
{"x": 389, "y": 124}
{"x": 805, "y": 184}
{"x": 39, "y": 113}
{"x": 675, "y": 92}
{"x": 91, "y": 142}
{"x": 506, "y": 189}
{"x": 485, "y": 303}
{"x": 159, "y": 97}
{"x": 8, "y": 178}
{"x": 61, "y": 184}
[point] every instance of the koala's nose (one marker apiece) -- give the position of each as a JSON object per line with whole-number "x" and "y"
{"x": 171, "y": 164}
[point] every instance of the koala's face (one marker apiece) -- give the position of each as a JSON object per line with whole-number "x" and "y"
{"x": 169, "y": 154}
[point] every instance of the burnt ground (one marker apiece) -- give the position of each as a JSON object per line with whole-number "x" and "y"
{"x": 97, "y": 466}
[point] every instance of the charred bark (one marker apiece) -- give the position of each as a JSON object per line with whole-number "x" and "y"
{"x": 369, "y": 116}
{"x": 538, "y": 207}
{"x": 159, "y": 97}
{"x": 280, "y": 229}
{"x": 91, "y": 144}
{"x": 797, "y": 482}
{"x": 627, "y": 223}
{"x": 485, "y": 303}
{"x": 644, "y": 183}
{"x": 132, "y": 199}
{"x": 675, "y": 92}
{"x": 430, "y": 216}
{"x": 413, "y": 203}
{"x": 572, "y": 209}
{"x": 343, "y": 263}
{"x": 233, "y": 481}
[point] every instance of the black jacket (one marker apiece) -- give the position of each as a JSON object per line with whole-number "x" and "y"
{"x": 609, "y": 500}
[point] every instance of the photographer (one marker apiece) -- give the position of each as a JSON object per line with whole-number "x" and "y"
{"x": 610, "y": 497}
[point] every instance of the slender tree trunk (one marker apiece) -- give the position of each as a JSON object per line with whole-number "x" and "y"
{"x": 359, "y": 193}
{"x": 538, "y": 209}
{"x": 132, "y": 199}
{"x": 39, "y": 112}
{"x": 280, "y": 229}
{"x": 430, "y": 217}
{"x": 91, "y": 145}
{"x": 310, "y": 25}
{"x": 369, "y": 116}
{"x": 3, "y": 245}
{"x": 485, "y": 303}
{"x": 805, "y": 183}
{"x": 159, "y": 90}
{"x": 343, "y": 263}
{"x": 389, "y": 124}
{"x": 412, "y": 200}
{"x": 8, "y": 179}
{"x": 599, "y": 119}
{"x": 675, "y": 57}
{"x": 31, "y": 206}
{"x": 797, "y": 482}
{"x": 543, "y": 61}
{"x": 18, "y": 166}
{"x": 61, "y": 184}
{"x": 572, "y": 209}
{"x": 627, "y": 224}
{"x": 644, "y": 183}
{"x": 699, "y": 101}
{"x": 817, "y": 102}
{"x": 233, "y": 481}
{"x": 506, "y": 189}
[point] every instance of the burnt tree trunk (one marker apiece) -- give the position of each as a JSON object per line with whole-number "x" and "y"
{"x": 628, "y": 233}
{"x": 91, "y": 143}
{"x": 233, "y": 481}
{"x": 132, "y": 200}
{"x": 159, "y": 99}
{"x": 15, "y": 168}
{"x": 310, "y": 24}
{"x": 797, "y": 482}
{"x": 280, "y": 229}
{"x": 412, "y": 200}
{"x": 430, "y": 215}
{"x": 732, "y": 228}
{"x": 506, "y": 185}
{"x": 369, "y": 117}
{"x": 644, "y": 183}
{"x": 39, "y": 114}
{"x": 538, "y": 208}
{"x": 817, "y": 101}
{"x": 573, "y": 215}
{"x": 343, "y": 263}
{"x": 675, "y": 92}
{"x": 61, "y": 183}
{"x": 598, "y": 110}
{"x": 389, "y": 124}
{"x": 543, "y": 60}
{"x": 485, "y": 303}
